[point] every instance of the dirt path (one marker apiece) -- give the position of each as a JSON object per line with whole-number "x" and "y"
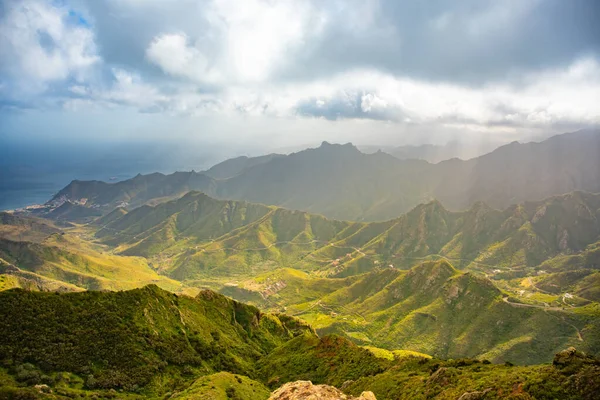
{"x": 505, "y": 299}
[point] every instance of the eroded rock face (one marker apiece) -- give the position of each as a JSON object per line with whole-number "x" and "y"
{"x": 305, "y": 390}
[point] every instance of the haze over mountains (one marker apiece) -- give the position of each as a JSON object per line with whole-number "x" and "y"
{"x": 433, "y": 153}
{"x": 340, "y": 182}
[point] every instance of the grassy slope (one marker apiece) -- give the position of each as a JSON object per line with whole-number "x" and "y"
{"x": 149, "y": 343}
{"x": 434, "y": 309}
{"x": 82, "y": 267}
{"x": 141, "y": 338}
{"x": 197, "y": 236}
{"x": 223, "y": 386}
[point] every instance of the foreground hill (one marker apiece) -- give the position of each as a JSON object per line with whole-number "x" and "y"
{"x": 148, "y": 343}
{"x": 340, "y": 182}
{"x": 145, "y": 338}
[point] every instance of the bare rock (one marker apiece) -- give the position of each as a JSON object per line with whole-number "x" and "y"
{"x": 441, "y": 377}
{"x": 305, "y": 390}
{"x": 474, "y": 395}
{"x": 572, "y": 358}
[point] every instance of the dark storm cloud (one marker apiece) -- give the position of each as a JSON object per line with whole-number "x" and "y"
{"x": 471, "y": 41}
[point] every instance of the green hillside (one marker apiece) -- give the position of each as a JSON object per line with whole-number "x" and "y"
{"x": 77, "y": 266}
{"x": 196, "y": 236}
{"x": 149, "y": 343}
{"x": 144, "y": 338}
{"x": 418, "y": 282}
{"x": 434, "y": 309}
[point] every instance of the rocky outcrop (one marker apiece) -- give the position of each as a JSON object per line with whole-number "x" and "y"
{"x": 305, "y": 390}
{"x": 474, "y": 395}
{"x": 441, "y": 377}
{"x": 573, "y": 358}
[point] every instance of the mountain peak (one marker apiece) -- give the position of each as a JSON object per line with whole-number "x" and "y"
{"x": 336, "y": 147}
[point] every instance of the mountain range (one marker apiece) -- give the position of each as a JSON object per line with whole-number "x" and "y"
{"x": 433, "y": 153}
{"x": 373, "y": 273}
{"x": 205, "y": 235}
{"x": 340, "y": 182}
{"x": 350, "y": 278}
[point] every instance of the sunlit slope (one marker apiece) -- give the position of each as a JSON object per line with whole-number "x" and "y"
{"x": 432, "y": 308}
{"x": 21, "y": 228}
{"x": 197, "y": 235}
{"x": 78, "y": 267}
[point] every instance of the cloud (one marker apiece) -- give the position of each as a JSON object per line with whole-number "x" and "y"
{"x": 126, "y": 89}
{"x": 42, "y": 43}
{"x": 481, "y": 65}
{"x": 537, "y": 100}
{"x": 241, "y": 42}
{"x": 348, "y": 105}
{"x": 173, "y": 55}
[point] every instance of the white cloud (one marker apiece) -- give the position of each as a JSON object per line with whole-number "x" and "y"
{"x": 127, "y": 89}
{"x": 370, "y": 102}
{"x": 571, "y": 94}
{"x": 39, "y": 45}
{"x": 233, "y": 58}
{"x": 243, "y": 42}
{"x": 172, "y": 53}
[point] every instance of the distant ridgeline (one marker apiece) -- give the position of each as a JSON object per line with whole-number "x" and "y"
{"x": 340, "y": 182}
{"x": 149, "y": 343}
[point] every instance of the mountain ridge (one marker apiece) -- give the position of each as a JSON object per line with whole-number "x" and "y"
{"x": 149, "y": 343}
{"x": 341, "y": 182}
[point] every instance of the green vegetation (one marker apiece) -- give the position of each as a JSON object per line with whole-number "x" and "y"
{"x": 197, "y": 236}
{"x": 149, "y": 343}
{"x": 77, "y": 267}
{"x": 533, "y": 268}
{"x": 146, "y": 340}
{"x": 419, "y": 378}
{"x": 224, "y": 386}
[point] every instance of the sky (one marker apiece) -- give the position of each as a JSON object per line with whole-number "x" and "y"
{"x": 268, "y": 74}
